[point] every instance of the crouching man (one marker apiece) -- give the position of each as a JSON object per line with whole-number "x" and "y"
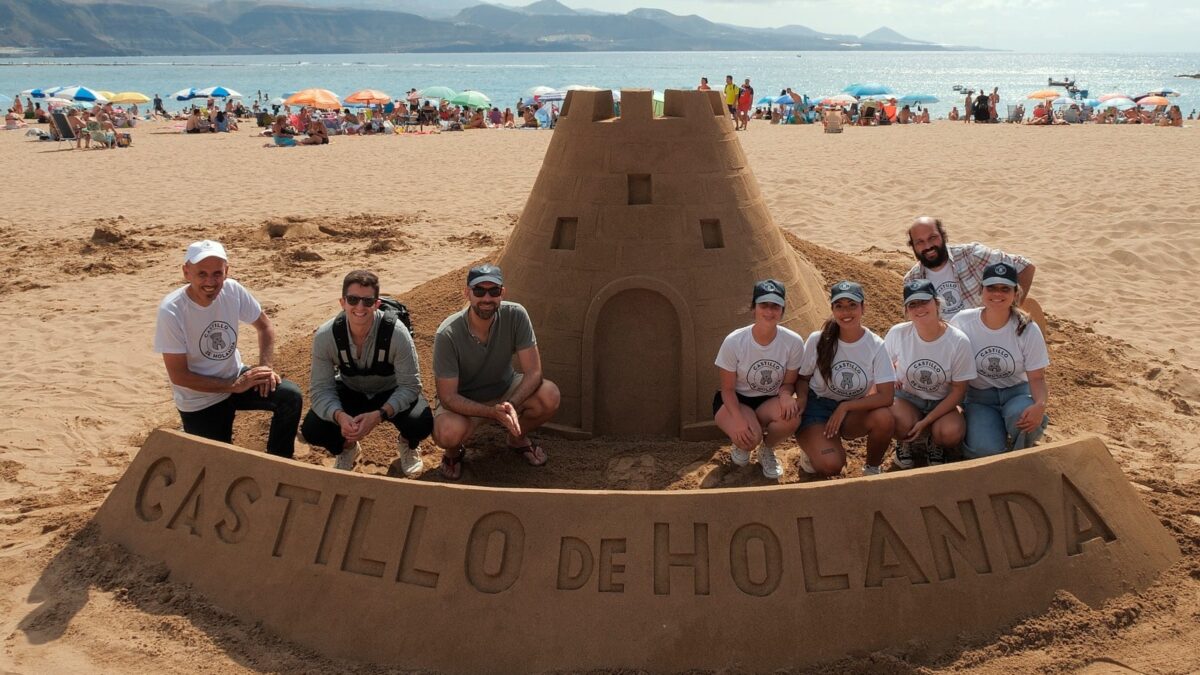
{"x": 365, "y": 372}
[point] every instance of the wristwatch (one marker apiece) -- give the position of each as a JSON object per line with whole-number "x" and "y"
{"x": 383, "y": 416}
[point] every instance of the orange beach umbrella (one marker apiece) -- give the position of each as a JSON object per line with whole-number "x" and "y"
{"x": 1047, "y": 94}
{"x": 1153, "y": 100}
{"x": 315, "y": 98}
{"x": 368, "y": 97}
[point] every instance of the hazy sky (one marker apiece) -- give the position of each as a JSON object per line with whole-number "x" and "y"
{"x": 1023, "y": 25}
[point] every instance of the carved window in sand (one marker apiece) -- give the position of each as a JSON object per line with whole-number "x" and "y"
{"x": 710, "y": 233}
{"x": 564, "y": 234}
{"x": 639, "y": 188}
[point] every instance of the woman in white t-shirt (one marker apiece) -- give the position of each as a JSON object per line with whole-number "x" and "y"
{"x": 933, "y": 365}
{"x": 850, "y": 382}
{"x": 1006, "y": 403}
{"x": 757, "y": 366}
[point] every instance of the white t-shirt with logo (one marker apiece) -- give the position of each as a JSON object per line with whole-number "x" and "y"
{"x": 208, "y": 335}
{"x": 926, "y": 369}
{"x": 946, "y": 283}
{"x": 857, "y": 366}
{"x": 760, "y": 369}
{"x": 1001, "y": 356}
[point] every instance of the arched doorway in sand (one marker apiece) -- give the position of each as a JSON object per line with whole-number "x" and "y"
{"x": 638, "y": 338}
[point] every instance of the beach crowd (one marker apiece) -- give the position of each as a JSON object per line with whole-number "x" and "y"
{"x": 962, "y": 377}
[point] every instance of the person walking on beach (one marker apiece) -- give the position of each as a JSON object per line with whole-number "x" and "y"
{"x": 1005, "y": 406}
{"x": 969, "y": 106}
{"x": 731, "y": 97}
{"x": 197, "y": 335}
{"x": 957, "y": 270}
{"x": 850, "y": 385}
{"x": 981, "y": 108}
{"x": 745, "y": 101}
{"x": 472, "y": 365}
{"x": 365, "y": 373}
{"x": 758, "y": 367}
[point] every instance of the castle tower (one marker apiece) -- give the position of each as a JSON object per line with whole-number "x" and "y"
{"x": 636, "y": 254}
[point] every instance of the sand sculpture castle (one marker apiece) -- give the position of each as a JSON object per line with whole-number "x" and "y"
{"x": 635, "y": 256}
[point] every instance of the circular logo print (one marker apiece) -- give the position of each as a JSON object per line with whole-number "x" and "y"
{"x": 847, "y": 379}
{"x": 995, "y": 363}
{"x": 1001, "y": 269}
{"x": 951, "y": 297}
{"x": 218, "y": 341}
{"x": 765, "y": 376}
{"x": 926, "y": 375}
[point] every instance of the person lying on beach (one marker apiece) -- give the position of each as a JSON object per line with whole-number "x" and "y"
{"x": 365, "y": 373}
{"x": 757, "y": 366}
{"x": 472, "y": 365}
{"x": 850, "y": 383}
{"x": 197, "y": 335}
{"x": 957, "y": 270}
{"x": 933, "y": 364}
{"x": 12, "y": 120}
{"x": 317, "y": 133}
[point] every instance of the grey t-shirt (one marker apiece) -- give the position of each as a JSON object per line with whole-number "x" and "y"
{"x": 484, "y": 372}
{"x": 405, "y": 385}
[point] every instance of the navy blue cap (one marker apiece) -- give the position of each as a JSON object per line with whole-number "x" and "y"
{"x": 919, "y": 289}
{"x": 770, "y": 290}
{"x": 482, "y": 274}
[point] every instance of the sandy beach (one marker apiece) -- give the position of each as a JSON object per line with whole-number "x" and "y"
{"x": 91, "y": 240}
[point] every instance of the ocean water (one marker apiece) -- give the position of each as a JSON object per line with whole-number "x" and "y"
{"x": 505, "y": 77}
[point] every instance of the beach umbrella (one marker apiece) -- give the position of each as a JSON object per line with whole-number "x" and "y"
{"x": 129, "y": 97}
{"x": 917, "y": 99}
{"x": 41, "y": 92}
{"x": 1115, "y": 94}
{"x": 1116, "y": 103}
{"x": 315, "y": 98}
{"x": 439, "y": 92}
{"x": 839, "y": 99}
{"x": 783, "y": 100}
{"x": 558, "y": 95}
{"x": 368, "y": 97}
{"x": 539, "y": 90}
{"x": 184, "y": 94}
{"x": 105, "y": 94}
{"x": 580, "y": 87}
{"x": 766, "y": 100}
{"x": 217, "y": 92}
{"x": 80, "y": 94}
{"x": 1153, "y": 100}
{"x": 1044, "y": 94}
{"x": 472, "y": 99}
{"x": 54, "y": 100}
{"x": 1163, "y": 91}
{"x": 868, "y": 89}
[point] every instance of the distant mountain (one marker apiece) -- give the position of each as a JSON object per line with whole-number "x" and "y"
{"x": 134, "y": 27}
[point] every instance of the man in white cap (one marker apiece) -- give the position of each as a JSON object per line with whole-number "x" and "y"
{"x": 197, "y": 335}
{"x": 472, "y": 365}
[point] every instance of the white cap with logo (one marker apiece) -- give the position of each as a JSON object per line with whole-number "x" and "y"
{"x": 205, "y": 249}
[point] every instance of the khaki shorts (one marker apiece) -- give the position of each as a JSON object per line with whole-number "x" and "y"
{"x": 512, "y": 389}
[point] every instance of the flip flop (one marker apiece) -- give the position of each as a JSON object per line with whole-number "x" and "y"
{"x": 531, "y": 452}
{"x": 451, "y": 467}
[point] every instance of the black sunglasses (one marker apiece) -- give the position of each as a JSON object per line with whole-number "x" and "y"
{"x": 354, "y": 300}
{"x": 494, "y": 291}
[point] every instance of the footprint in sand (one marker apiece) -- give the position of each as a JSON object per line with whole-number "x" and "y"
{"x": 633, "y": 472}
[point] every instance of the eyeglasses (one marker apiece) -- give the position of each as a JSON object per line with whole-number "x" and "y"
{"x": 493, "y": 291}
{"x": 353, "y": 300}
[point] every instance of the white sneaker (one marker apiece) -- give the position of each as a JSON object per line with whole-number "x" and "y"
{"x": 770, "y": 465}
{"x": 410, "y": 459}
{"x": 345, "y": 461}
{"x": 739, "y": 456}
{"x": 806, "y": 464}
{"x": 869, "y": 470}
{"x": 903, "y": 458}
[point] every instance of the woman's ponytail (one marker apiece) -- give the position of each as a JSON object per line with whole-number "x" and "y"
{"x": 827, "y": 347}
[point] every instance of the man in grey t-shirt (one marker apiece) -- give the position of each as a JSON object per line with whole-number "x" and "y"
{"x": 472, "y": 363}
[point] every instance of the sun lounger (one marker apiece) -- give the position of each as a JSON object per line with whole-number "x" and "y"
{"x": 62, "y": 127}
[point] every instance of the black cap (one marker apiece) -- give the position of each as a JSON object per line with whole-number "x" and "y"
{"x": 481, "y": 274}
{"x": 770, "y": 290}
{"x": 846, "y": 289}
{"x": 1000, "y": 273}
{"x": 919, "y": 289}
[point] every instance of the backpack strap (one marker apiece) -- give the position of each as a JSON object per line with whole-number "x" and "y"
{"x": 383, "y": 346}
{"x": 341, "y": 338}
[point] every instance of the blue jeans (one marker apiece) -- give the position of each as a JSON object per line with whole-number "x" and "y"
{"x": 992, "y": 416}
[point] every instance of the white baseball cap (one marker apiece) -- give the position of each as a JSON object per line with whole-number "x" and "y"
{"x": 205, "y": 249}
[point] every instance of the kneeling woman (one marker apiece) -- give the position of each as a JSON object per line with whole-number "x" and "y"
{"x": 758, "y": 369}
{"x": 1006, "y": 404}
{"x": 933, "y": 365}
{"x": 850, "y": 383}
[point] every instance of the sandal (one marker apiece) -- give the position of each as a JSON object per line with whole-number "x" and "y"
{"x": 533, "y": 453}
{"x": 451, "y": 467}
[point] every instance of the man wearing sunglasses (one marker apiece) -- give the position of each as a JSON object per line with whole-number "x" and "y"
{"x": 197, "y": 335}
{"x": 365, "y": 373}
{"x": 472, "y": 363}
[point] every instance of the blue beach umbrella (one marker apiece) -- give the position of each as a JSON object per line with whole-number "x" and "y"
{"x": 78, "y": 93}
{"x": 217, "y": 92}
{"x": 784, "y": 100}
{"x": 868, "y": 89}
{"x": 766, "y": 100}
{"x": 1117, "y": 103}
{"x": 184, "y": 94}
{"x": 917, "y": 99}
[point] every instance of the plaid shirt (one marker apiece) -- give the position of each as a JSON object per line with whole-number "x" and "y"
{"x": 968, "y": 262}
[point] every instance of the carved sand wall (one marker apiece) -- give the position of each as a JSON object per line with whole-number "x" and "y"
{"x": 635, "y": 255}
{"x": 757, "y": 579}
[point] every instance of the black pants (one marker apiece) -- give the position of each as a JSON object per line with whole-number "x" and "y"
{"x": 414, "y": 424}
{"x": 216, "y": 421}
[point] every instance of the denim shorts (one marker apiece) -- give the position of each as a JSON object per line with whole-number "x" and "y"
{"x": 817, "y": 410}
{"x": 923, "y": 406}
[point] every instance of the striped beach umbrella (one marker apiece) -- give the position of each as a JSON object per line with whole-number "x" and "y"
{"x": 217, "y": 92}
{"x": 78, "y": 93}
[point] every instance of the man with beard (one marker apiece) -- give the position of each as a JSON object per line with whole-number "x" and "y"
{"x": 197, "y": 335}
{"x": 472, "y": 365}
{"x": 957, "y": 271}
